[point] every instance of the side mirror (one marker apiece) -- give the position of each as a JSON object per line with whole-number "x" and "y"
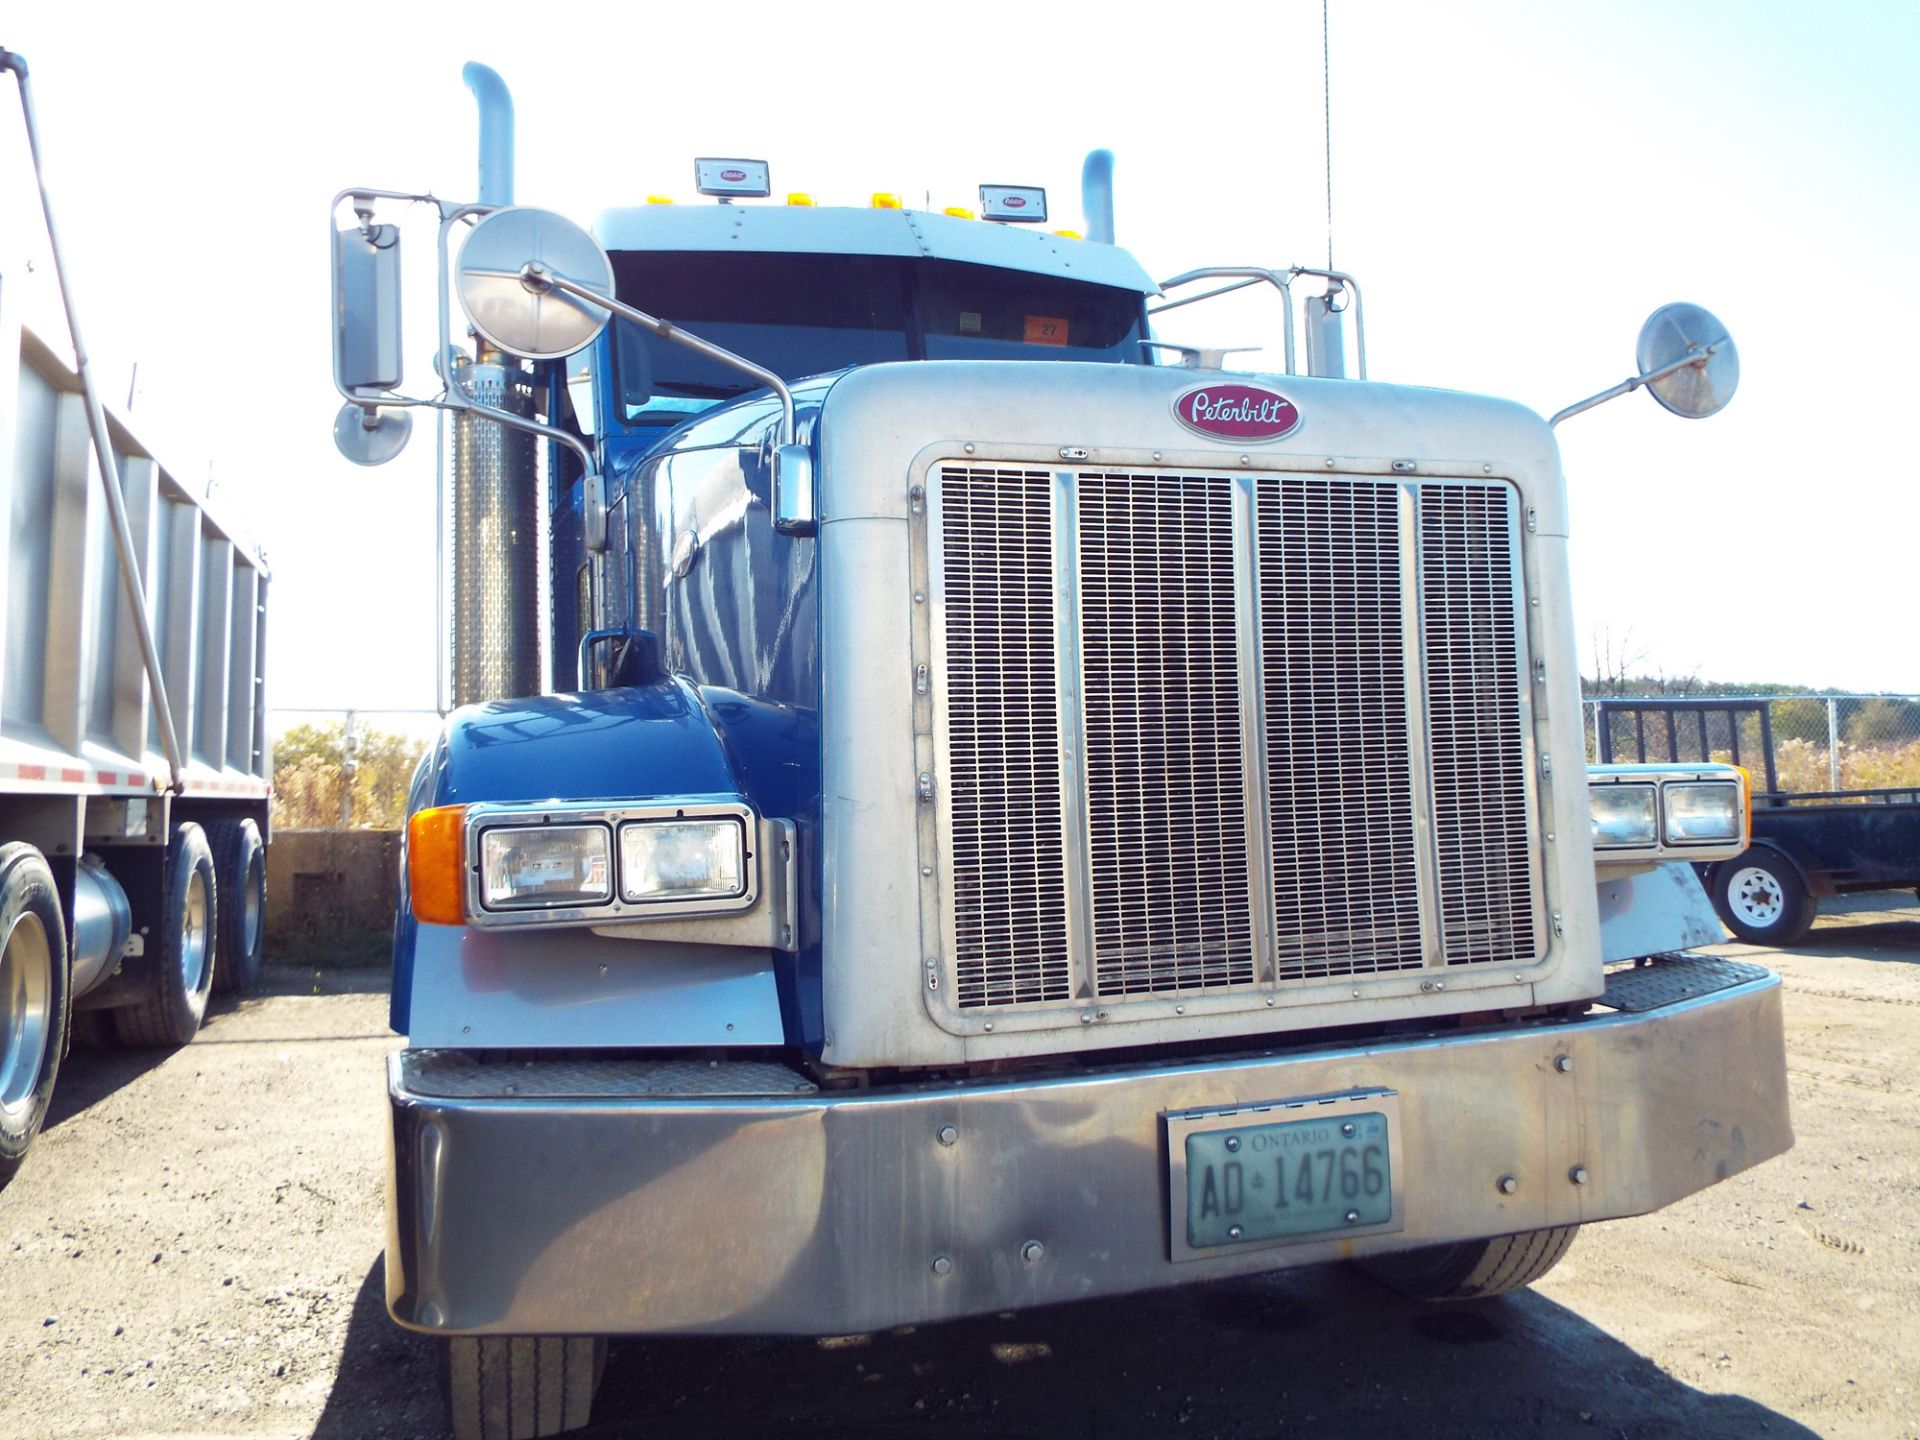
{"x": 795, "y": 509}
{"x": 505, "y": 283}
{"x": 366, "y": 307}
{"x": 1687, "y": 362}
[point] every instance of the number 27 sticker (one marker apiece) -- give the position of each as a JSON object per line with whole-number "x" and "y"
{"x": 1046, "y": 330}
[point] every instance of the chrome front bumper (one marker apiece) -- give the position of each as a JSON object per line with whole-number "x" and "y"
{"x": 561, "y": 1197}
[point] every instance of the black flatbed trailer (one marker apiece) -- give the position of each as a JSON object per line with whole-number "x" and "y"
{"x": 1805, "y": 844}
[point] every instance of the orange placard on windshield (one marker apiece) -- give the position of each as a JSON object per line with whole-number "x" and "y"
{"x": 1046, "y": 330}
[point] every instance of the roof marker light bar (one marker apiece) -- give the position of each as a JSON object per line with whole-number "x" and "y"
{"x": 730, "y": 179}
{"x": 1014, "y": 204}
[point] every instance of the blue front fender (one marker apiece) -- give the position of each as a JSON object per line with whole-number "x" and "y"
{"x": 536, "y": 988}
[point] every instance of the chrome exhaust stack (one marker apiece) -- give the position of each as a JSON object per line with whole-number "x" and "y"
{"x": 495, "y": 623}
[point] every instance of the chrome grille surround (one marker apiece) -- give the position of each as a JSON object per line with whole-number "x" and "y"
{"x": 1232, "y": 792}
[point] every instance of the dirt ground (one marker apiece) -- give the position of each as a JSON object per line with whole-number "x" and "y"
{"x": 194, "y": 1249}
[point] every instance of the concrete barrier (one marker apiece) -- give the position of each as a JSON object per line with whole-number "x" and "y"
{"x": 323, "y": 883}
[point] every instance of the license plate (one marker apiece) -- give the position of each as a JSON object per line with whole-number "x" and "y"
{"x": 1294, "y": 1170}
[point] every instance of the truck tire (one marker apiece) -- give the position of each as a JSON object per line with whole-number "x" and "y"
{"x": 188, "y": 922}
{"x": 33, "y": 999}
{"x": 240, "y": 873}
{"x": 1473, "y": 1269}
{"x": 1760, "y": 897}
{"x": 519, "y": 1387}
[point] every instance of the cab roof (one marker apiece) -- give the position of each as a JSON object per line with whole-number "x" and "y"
{"x": 806, "y": 230}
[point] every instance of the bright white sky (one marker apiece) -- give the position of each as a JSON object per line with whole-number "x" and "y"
{"x": 1515, "y": 184}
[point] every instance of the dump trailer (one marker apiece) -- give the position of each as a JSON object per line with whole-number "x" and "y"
{"x": 133, "y": 748}
{"x": 995, "y": 810}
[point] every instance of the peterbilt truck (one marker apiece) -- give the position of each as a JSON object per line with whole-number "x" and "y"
{"x": 134, "y": 760}
{"x": 989, "y": 809}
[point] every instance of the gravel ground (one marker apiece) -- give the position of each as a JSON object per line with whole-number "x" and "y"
{"x": 194, "y": 1249}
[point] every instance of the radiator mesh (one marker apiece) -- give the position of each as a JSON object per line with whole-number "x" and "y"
{"x": 1160, "y": 689}
{"x": 1473, "y": 678}
{"x": 1001, "y": 683}
{"x": 1346, "y": 894}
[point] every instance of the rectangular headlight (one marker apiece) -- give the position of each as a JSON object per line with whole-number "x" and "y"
{"x": 683, "y": 859}
{"x": 1622, "y": 815}
{"x": 526, "y": 867}
{"x": 1702, "y": 812}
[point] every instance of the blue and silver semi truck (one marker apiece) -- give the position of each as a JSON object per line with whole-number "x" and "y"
{"x": 950, "y": 807}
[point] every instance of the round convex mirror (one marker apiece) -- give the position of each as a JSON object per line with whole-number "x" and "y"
{"x": 371, "y": 437}
{"x": 523, "y": 318}
{"x": 1692, "y": 391}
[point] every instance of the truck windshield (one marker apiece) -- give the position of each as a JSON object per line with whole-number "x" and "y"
{"x": 802, "y": 315}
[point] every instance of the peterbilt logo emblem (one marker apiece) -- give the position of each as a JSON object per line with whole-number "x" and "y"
{"x": 1237, "y": 412}
{"x": 1015, "y": 202}
{"x": 733, "y": 177}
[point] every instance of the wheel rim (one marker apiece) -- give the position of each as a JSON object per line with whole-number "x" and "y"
{"x": 1756, "y": 897}
{"x": 250, "y": 907}
{"x": 26, "y": 995}
{"x": 193, "y": 936}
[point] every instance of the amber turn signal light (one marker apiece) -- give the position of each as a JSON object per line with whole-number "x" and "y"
{"x": 437, "y": 865}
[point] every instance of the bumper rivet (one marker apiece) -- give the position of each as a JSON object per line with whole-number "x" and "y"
{"x": 1032, "y": 1251}
{"x": 947, "y": 1134}
{"x": 1563, "y": 1063}
{"x": 1179, "y": 1009}
{"x": 1578, "y": 1174}
{"x": 1353, "y": 1217}
{"x": 1508, "y": 1184}
{"x": 1234, "y": 1232}
{"x": 942, "y": 1265}
{"x": 988, "y": 1027}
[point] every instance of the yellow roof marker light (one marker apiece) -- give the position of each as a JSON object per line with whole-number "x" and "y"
{"x": 800, "y": 198}
{"x": 659, "y": 200}
{"x": 1070, "y": 234}
{"x": 960, "y": 212}
{"x": 884, "y": 201}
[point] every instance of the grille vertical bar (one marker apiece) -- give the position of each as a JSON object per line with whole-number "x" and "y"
{"x": 1166, "y": 783}
{"x": 1475, "y": 734}
{"x": 1001, "y": 689}
{"x": 1345, "y": 881}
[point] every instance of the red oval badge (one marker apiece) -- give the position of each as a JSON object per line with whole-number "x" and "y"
{"x": 1015, "y": 202}
{"x": 1237, "y": 412}
{"x": 733, "y": 177}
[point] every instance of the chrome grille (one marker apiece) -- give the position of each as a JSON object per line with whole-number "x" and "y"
{"x": 1196, "y": 731}
{"x": 1160, "y": 696}
{"x": 1346, "y": 893}
{"x": 1007, "y": 864}
{"x": 1468, "y": 549}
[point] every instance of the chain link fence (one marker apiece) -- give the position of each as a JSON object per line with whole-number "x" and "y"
{"x": 1799, "y": 744}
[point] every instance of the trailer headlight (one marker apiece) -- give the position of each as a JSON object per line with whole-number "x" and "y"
{"x": 526, "y": 867}
{"x": 1698, "y": 813}
{"x": 681, "y": 859}
{"x": 1623, "y": 815}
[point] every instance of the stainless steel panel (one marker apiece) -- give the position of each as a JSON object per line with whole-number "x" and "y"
{"x": 1477, "y": 744}
{"x": 1340, "y": 794}
{"x": 666, "y": 1221}
{"x": 1165, "y": 778}
{"x": 209, "y": 741}
{"x": 999, "y": 692}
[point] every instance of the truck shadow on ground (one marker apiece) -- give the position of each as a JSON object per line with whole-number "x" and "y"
{"x": 1323, "y": 1352}
{"x": 98, "y": 1065}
